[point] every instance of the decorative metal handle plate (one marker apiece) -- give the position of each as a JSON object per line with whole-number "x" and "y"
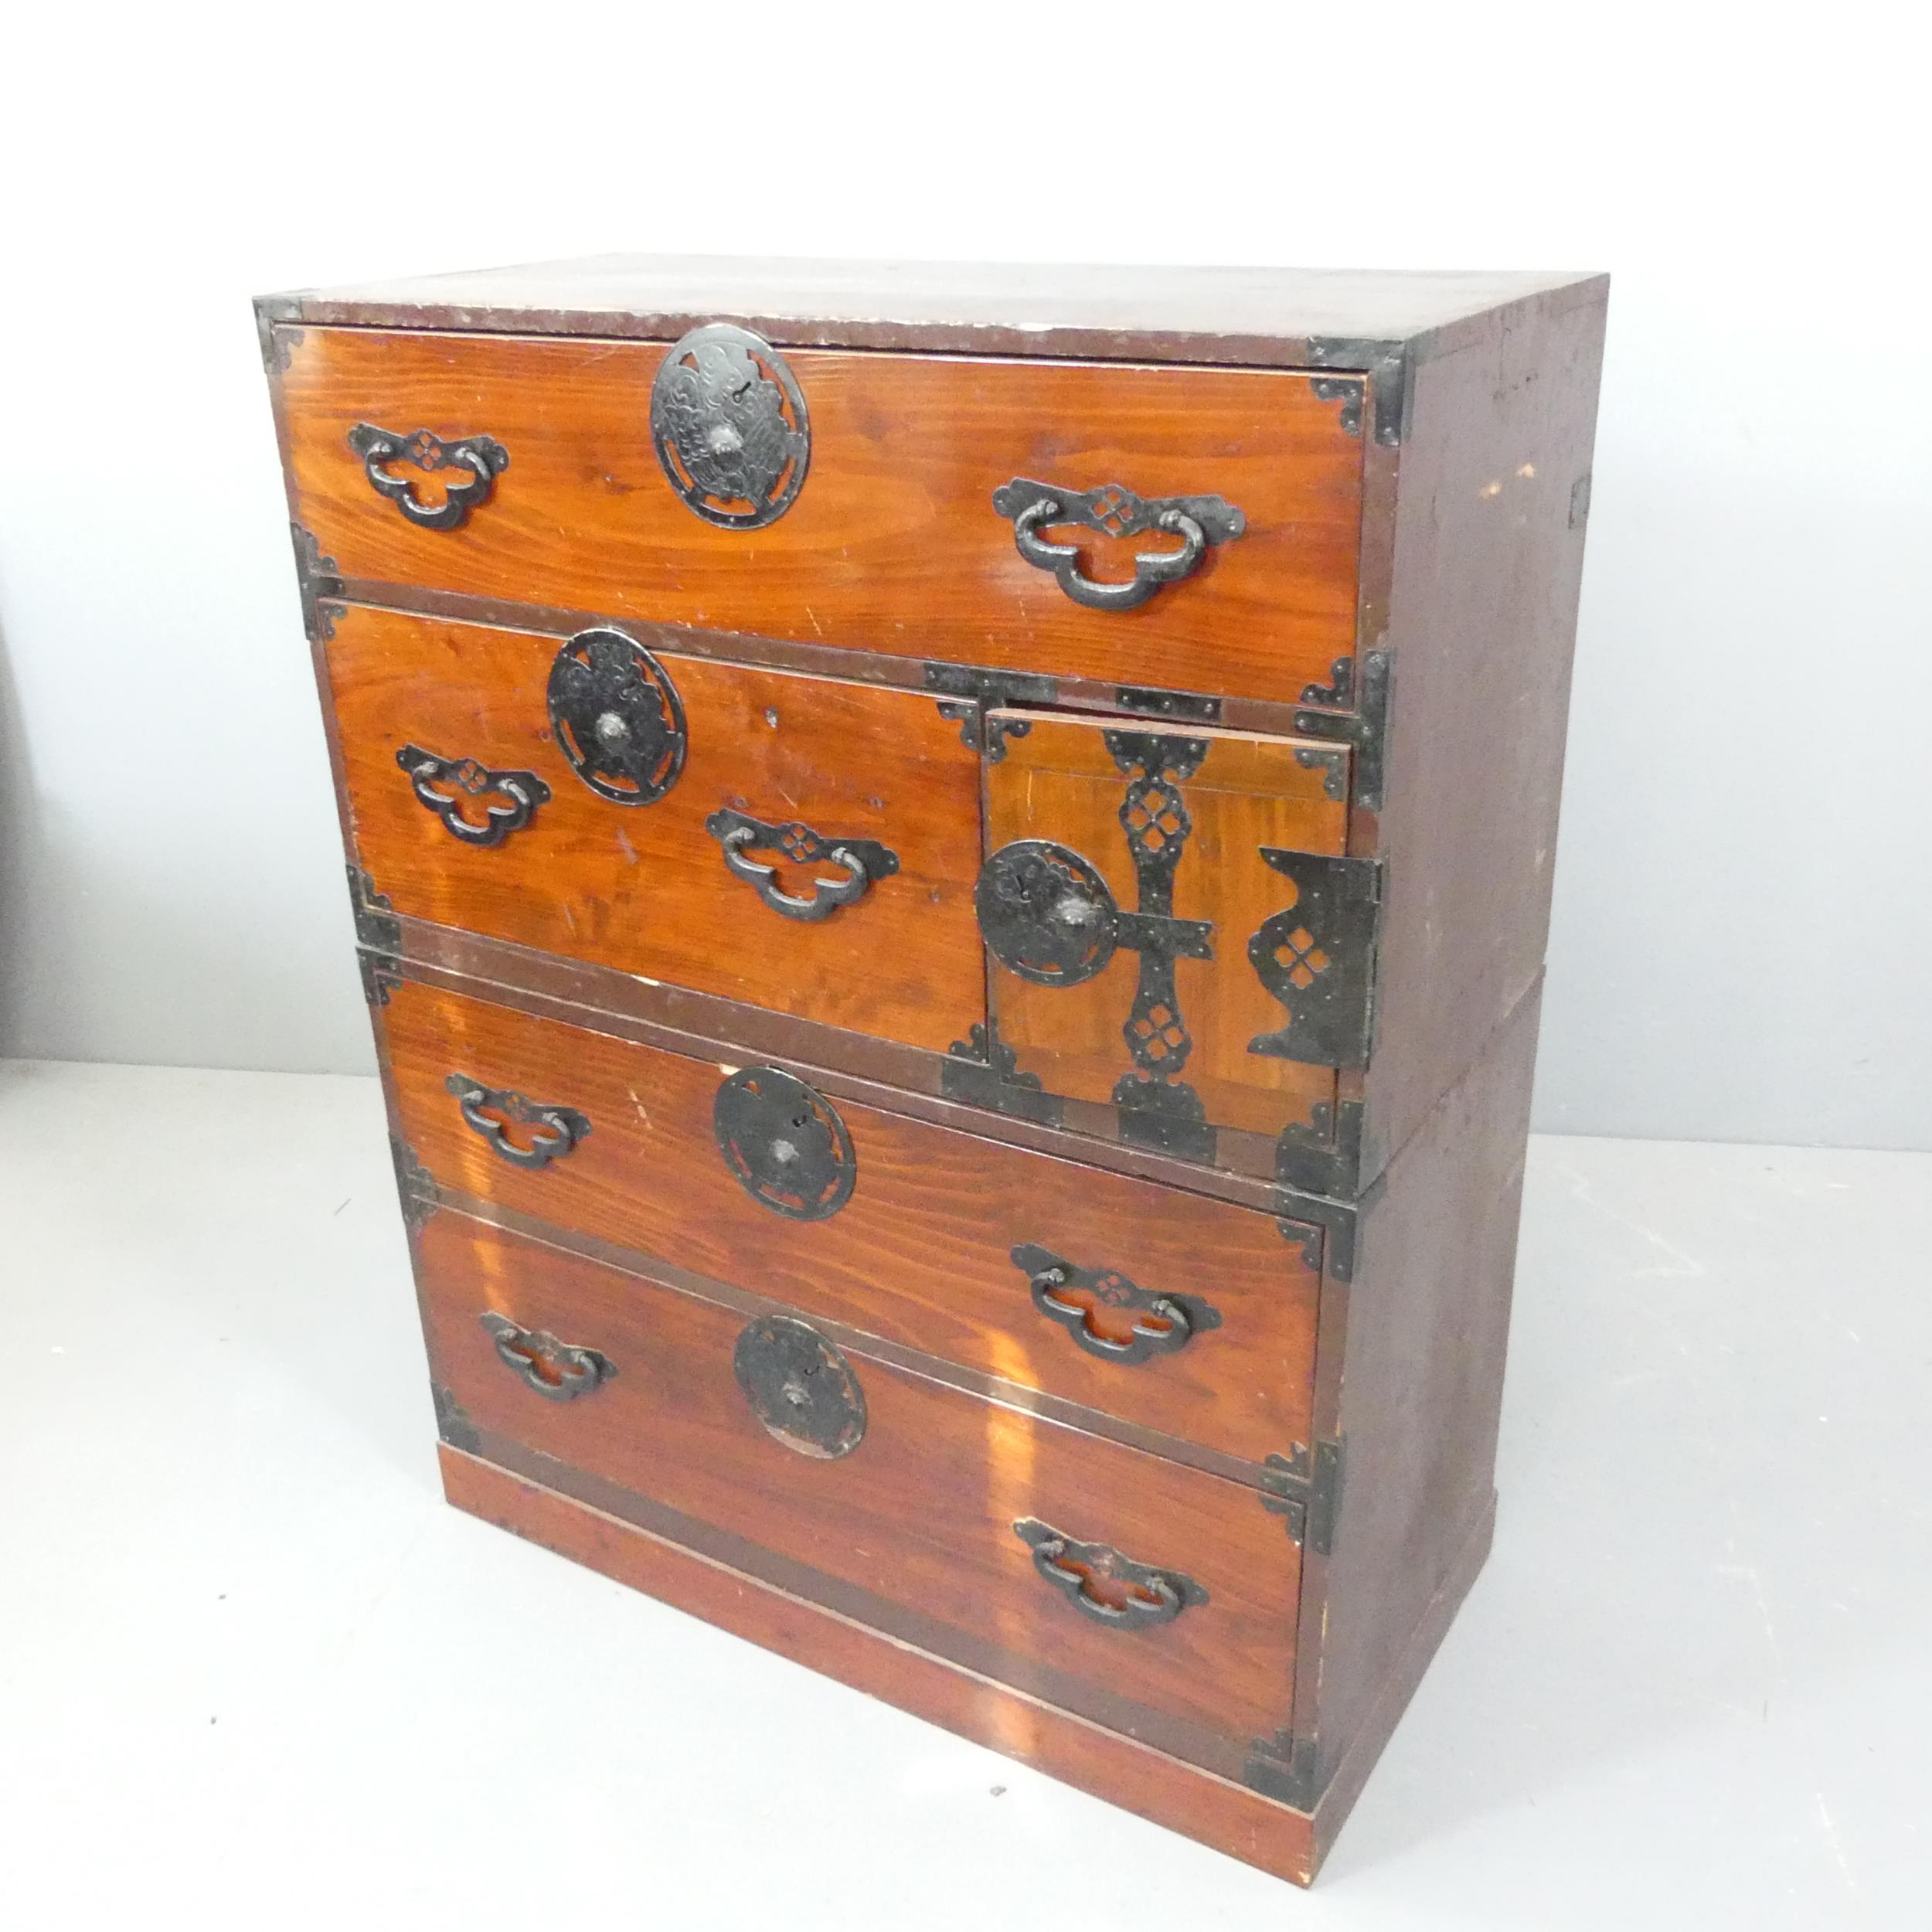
{"x": 1197, "y": 520}
{"x": 492, "y": 1111}
{"x": 728, "y": 421}
{"x": 484, "y": 457}
{"x": 447, "y": 786}
{"x": 560, "y": 1370}
{"x": 1159, "y": 1324}
{"x": 785, "y": 1143}
{"x": 802, "y": 1390}
{"x": 860, "y": 862}
{"x": 1101, "y": 1582}
{"x": 617, "y": 717}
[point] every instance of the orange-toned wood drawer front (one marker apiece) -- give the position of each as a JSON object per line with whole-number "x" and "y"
{"x": 919, "y": 1254}
{"x": 645, "y": 887}
{"x": 919, "y": 1514}
{"x": 893, "y": 544}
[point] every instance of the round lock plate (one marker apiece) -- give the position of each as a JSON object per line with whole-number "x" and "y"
{"x": 617, "y": 717}
{"x": 785, "y": 1143}
{"x": 800, "y": 1387}
{"x": 1046, "y": 913}
{"x": 728, "y": 422}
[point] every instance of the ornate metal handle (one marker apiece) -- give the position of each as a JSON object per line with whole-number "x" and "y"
{"x": 484, "y": 457}
{"x": 860, "y": 861}
{"x": 1161, "y": 1323}
{"x": 1197, "y": 520}
{"x": 560, "y": 1370}
{"x": 443, "y": 785}
{"x": 555, "y": 1131}
{"x": 1102, "y": 1583}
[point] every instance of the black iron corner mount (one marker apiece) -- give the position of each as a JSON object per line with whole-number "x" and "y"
{"x": 1305, "y": 1490}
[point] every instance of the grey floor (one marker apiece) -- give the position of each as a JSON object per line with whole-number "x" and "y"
{"x": 254, "y": 1674}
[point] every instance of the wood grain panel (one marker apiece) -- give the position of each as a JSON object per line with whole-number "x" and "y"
{"x": 920, "y": 1513}
{"x": 1123, "y": 1770}
{"x": 644, "y": 888}
{"x": 893, "y": 544}
{"x": 1060, "y": 782}
{"x": 920, "y": 1255}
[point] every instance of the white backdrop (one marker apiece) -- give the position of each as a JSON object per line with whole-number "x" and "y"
{"x": 1741, "y": 930}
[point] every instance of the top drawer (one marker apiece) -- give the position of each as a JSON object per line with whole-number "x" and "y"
{"x": 537, "y": 479}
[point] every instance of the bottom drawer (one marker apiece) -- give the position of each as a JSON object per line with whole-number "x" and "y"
{"x": 981, "y": 1533}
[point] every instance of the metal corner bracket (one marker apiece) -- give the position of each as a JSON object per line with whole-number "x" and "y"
{"x": 1366, "y": 683}
{"x": 1304, "y": 1488}
{"x": 1287, "y": 1769}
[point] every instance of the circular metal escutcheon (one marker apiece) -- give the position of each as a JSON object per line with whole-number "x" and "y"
{"x": 728, "y": 422}
{"x": 785, "y": 1143}
{"x": 1046, "y": 913}
{"x": 617, "y": 717}
{"x": 800, "y": 1387}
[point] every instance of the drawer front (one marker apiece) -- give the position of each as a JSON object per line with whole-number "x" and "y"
{"x": 1006, "y": 1262}
{"x": 901, "y": 1487}
{"x": 892, "y": 542}
{"x": 693, "y": 884}
{"x": 1127, "y": 879}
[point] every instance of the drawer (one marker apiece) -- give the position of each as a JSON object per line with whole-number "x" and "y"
{"x": 620, "y": 858}
{"x": 1174, "y": 922}
{"x": 892, "y": 542}
{"x": 1192, "y": 1317}
{"x": 889, "y": 1484}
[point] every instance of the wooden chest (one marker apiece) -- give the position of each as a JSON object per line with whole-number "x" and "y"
{"x": 951, "y": 867}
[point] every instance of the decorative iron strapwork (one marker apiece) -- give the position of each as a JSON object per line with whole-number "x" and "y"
{"x": 728, "y": 421}
{"x": 525, "y": 1133}
{"x": 861, "y": 863}
{"x": 560, "y": 1370}
{"x": 1108, "y": 1315}
{"x": 1048, "y": 916}
{"x": 803, "y": 1391}
{"x": 1115, "y": 510}
{"x": 617, "y": 717}
{"x": 1101, "y": 1582}
{"x": 451, "y": 787}
{"x": 483, "y": 457}
{"x": 1317, "y": 957}
{"x": 785, "y": 1143}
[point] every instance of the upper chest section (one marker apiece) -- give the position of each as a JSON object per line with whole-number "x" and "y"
{"x": 1120, "y": 525}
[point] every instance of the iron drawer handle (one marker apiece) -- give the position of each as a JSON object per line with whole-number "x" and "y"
{"x": 560, "y": 1370}
{"x": 1146, "y": 1596}
{"x": 1197, "y": 520}
{"x": 1163, "y": 1323}
{"x": 555, "y": 1130}
{"x": 860, "y": 861}
{"x": 484, "y": 457}
{"x": 443, "y": 784}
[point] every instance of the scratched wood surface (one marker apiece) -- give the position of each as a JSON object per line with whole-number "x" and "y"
{"x": 921, "y": 1254}
{"x": 921, "y": 1513}
{"x": 644, "y": 888}
{"x": 893, "y": 545}
{"x": 1061, "y": 782}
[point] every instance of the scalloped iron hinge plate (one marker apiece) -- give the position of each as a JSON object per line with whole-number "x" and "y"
{"x": 1317, "y": 956}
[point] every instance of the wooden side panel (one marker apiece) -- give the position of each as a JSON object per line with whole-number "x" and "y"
{"x": 1488, "y": 558}
{"x": 1061, "y": 782}
{"x": 1121, "y": 1770}
{"x": 920, "y": 1513}
{"x": 644, "y": 888}
{"x": 893, "y": 545}
{"x": 1423, "y": 1342}
{"x": 920, "y": 1255}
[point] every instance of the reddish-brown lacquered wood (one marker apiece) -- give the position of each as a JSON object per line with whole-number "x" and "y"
{"x": 1120, "y": 1769}
{"x": 893, "y": 544}
{"x": 644, "y": 888}
{"x": 919, "y": 1514}
{"x": 1061, "y": 782}
{"x": 921, "y": 1253}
